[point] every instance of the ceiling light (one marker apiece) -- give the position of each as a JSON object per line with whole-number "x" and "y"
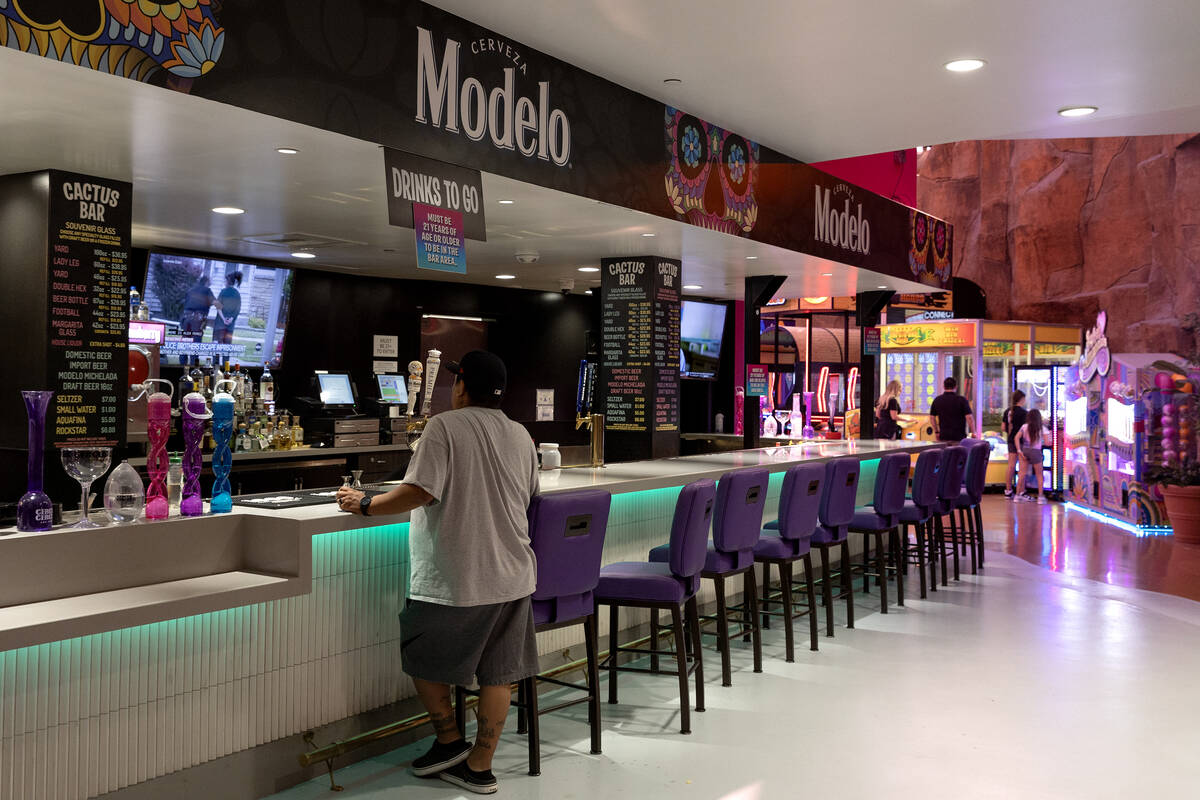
{"x": 692, "y": 287}
{"x": 228, "y": 210}
{"x": 303, "y": 254}
{"x": 452, "y": 316}
{"x": 286, "y": 151}
{"x": 505, "y": 277}
{"x": 649, "y": 235}
{"x": 965, "y": 64}
{"x": 880, "y": 287}
{"x": 751, "y": 258}
{"x": 506, "y": 202}
{"x": 587, "y": 291}
{"x": 589, "y": 269}
{"x": 672, "y": 80}
{"x": 826, "y": 274}
{"x": 1077, "y": 111}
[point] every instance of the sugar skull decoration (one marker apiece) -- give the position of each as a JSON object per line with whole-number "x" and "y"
{"x": 929, "y": 249}
{"x": 131, "y": 38}
{"x": 710, "y": 181}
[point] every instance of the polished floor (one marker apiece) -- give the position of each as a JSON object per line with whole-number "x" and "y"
{"x": 1054, "y": 674}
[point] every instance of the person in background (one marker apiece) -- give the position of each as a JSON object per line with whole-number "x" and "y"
{"x": 468, "y": 614}
{"x": 1029, "y": 442}
{"x": 887, "y": 410}
{"x": 952, "y": 415}
{"x": 196, "y": 303}
{"x": 1010, "y": 423}
{"x": 229, "y": 305}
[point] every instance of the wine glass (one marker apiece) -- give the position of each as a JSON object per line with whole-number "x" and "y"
{"x": 86, "y": 464}
{"x": 781, "y": 416}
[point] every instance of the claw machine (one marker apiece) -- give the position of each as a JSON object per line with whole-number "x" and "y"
{"x": 1045, "y": 389}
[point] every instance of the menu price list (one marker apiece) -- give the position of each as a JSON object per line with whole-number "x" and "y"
{"x": 88, "y": 271}
{"x": 666, "y": 347}
{"x": 627, "y": 344}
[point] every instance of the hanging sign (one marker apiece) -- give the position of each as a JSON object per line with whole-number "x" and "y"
{"x": 440, "y": 244}
{"x": 415, "y": 180}
{"x": 757, "y": 380}
{"x": 871, "y": 341}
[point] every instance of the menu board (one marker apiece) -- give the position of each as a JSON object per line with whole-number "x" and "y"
{"x": 87, "y": 357}
{"x": 640, "y": 356}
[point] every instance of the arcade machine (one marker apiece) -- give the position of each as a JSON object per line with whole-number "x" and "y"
{"x": 1045, "y": 390}
{"x": 1125, "y": 413}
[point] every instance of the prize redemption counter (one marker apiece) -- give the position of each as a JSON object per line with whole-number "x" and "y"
{"x": 981, "y": 355}
{"x": 173, "y": 643}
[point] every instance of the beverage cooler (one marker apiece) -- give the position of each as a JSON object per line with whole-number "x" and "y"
{"x": 1045, "y": 390}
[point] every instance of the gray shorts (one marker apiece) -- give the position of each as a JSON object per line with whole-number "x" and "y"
{"x": 1033, "y": 455}
{"x": 454, "y": 644}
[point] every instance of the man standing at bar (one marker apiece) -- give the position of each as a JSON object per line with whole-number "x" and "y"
{"x": 952, "y": 416}
{"x": 468, "y": 613}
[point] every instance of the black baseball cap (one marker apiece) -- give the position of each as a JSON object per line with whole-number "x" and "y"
{"x": 483, "y": 374}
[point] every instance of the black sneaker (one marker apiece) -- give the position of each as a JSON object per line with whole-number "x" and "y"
{"x": 440, "y": 757}
{"x": 464, "y": 777}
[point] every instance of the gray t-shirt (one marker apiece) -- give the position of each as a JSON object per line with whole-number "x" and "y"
{"x": 470, "y": 545}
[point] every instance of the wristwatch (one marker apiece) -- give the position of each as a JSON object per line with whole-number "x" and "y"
{"x": 364, "y": 505}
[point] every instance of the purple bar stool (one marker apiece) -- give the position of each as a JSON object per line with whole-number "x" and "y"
{"x": 950, "y": 482}
{"x": 919, "y": 511}
{"x": 787, "y": 543}
{"x": 970, "y": 516}
{"x": 737, "y": 523}
{"x": 891, "y": 485}
{"x": 670, "y": 585}
{"x": 566, "y": 531}
{"x": 836, "y": 513}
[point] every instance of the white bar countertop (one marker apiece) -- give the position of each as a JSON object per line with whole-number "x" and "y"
{"x": 65, "y": 583}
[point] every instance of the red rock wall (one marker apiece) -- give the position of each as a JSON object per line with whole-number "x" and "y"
{"x": 1055, "y": 230}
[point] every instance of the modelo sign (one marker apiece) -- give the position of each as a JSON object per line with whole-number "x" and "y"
{"x": 513, "y": 122}
{"x": 840, "y": 227}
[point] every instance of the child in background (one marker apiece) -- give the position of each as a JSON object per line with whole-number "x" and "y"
{"x": 1029, "y": 444}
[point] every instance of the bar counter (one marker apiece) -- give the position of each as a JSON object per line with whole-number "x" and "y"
{"x": 200, "y": 637}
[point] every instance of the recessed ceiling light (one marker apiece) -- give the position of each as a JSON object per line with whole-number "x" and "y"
{"x": 505, "y": 277}
{"x": 303, "y": 254}
{"x": 826, "y": 274}
{"x": 1077, "y": 111}
{"x": 751, "y": 258}
{"x": 880, "y": 287}
{"x": 691, "y": 287}
{"x": 649, "y": 235}
{"x": 587, "y": 291}
{"x": 228, "y": 210}
{"x": 965, "y": 64}
{"x": 286, "y": 151}
{"x": 506, "y": 202}
{"x": 589, "y": 269}
{"x": 672, "y": 80}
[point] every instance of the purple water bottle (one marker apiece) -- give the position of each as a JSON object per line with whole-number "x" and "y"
{"x": 195, "y": 417}
{"x": 35, "y": 510}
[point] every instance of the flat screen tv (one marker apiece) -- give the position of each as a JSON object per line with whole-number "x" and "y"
{"x": 701, "y": 327}
{"x": 218, "y": 308}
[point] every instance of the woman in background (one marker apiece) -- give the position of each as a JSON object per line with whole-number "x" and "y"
{"x": 229, "y": 305}
{"x": 1010, "y": 423}
{"x": 887, "y": 410}
{"x": 1029, "y": 441}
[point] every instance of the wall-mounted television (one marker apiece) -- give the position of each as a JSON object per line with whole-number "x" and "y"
{"x": 701, "y": 329}
{"x": 218, "y": 308}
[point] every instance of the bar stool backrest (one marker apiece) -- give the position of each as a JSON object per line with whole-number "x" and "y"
{"x": 926, "y": 477}
{"x": 954, "y": 464}
{"x": 800, "y": 501}
{"x": 891, "y": 483}
{"x": 566, "y": 531}
{"x": 741, "y": 500}
{"x": 977, "y": 464}
{"x": 840, "y": 492}
{"x": 689, "y": 530}
{"x": 968, "y": 444}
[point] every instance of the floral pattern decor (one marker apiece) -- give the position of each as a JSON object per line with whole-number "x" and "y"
{"x": 929, "y": 236}
{"x": 695, "y": 149}
{"x": 131, "y": 38}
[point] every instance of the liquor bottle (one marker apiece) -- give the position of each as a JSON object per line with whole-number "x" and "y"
{"x": 135, "y": 302}
{"x": 269, "y": 436}
{"x": 283, "y": 434}
{"x": 186, "y": 386}
{"x": 297, "y": 431}
{"x": 267, "y": 385}
{"x": 243, "y": 439}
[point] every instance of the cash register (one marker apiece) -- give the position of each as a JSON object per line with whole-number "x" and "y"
{"x": 332, "y": 419}
{"x": 390, "y": 406}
